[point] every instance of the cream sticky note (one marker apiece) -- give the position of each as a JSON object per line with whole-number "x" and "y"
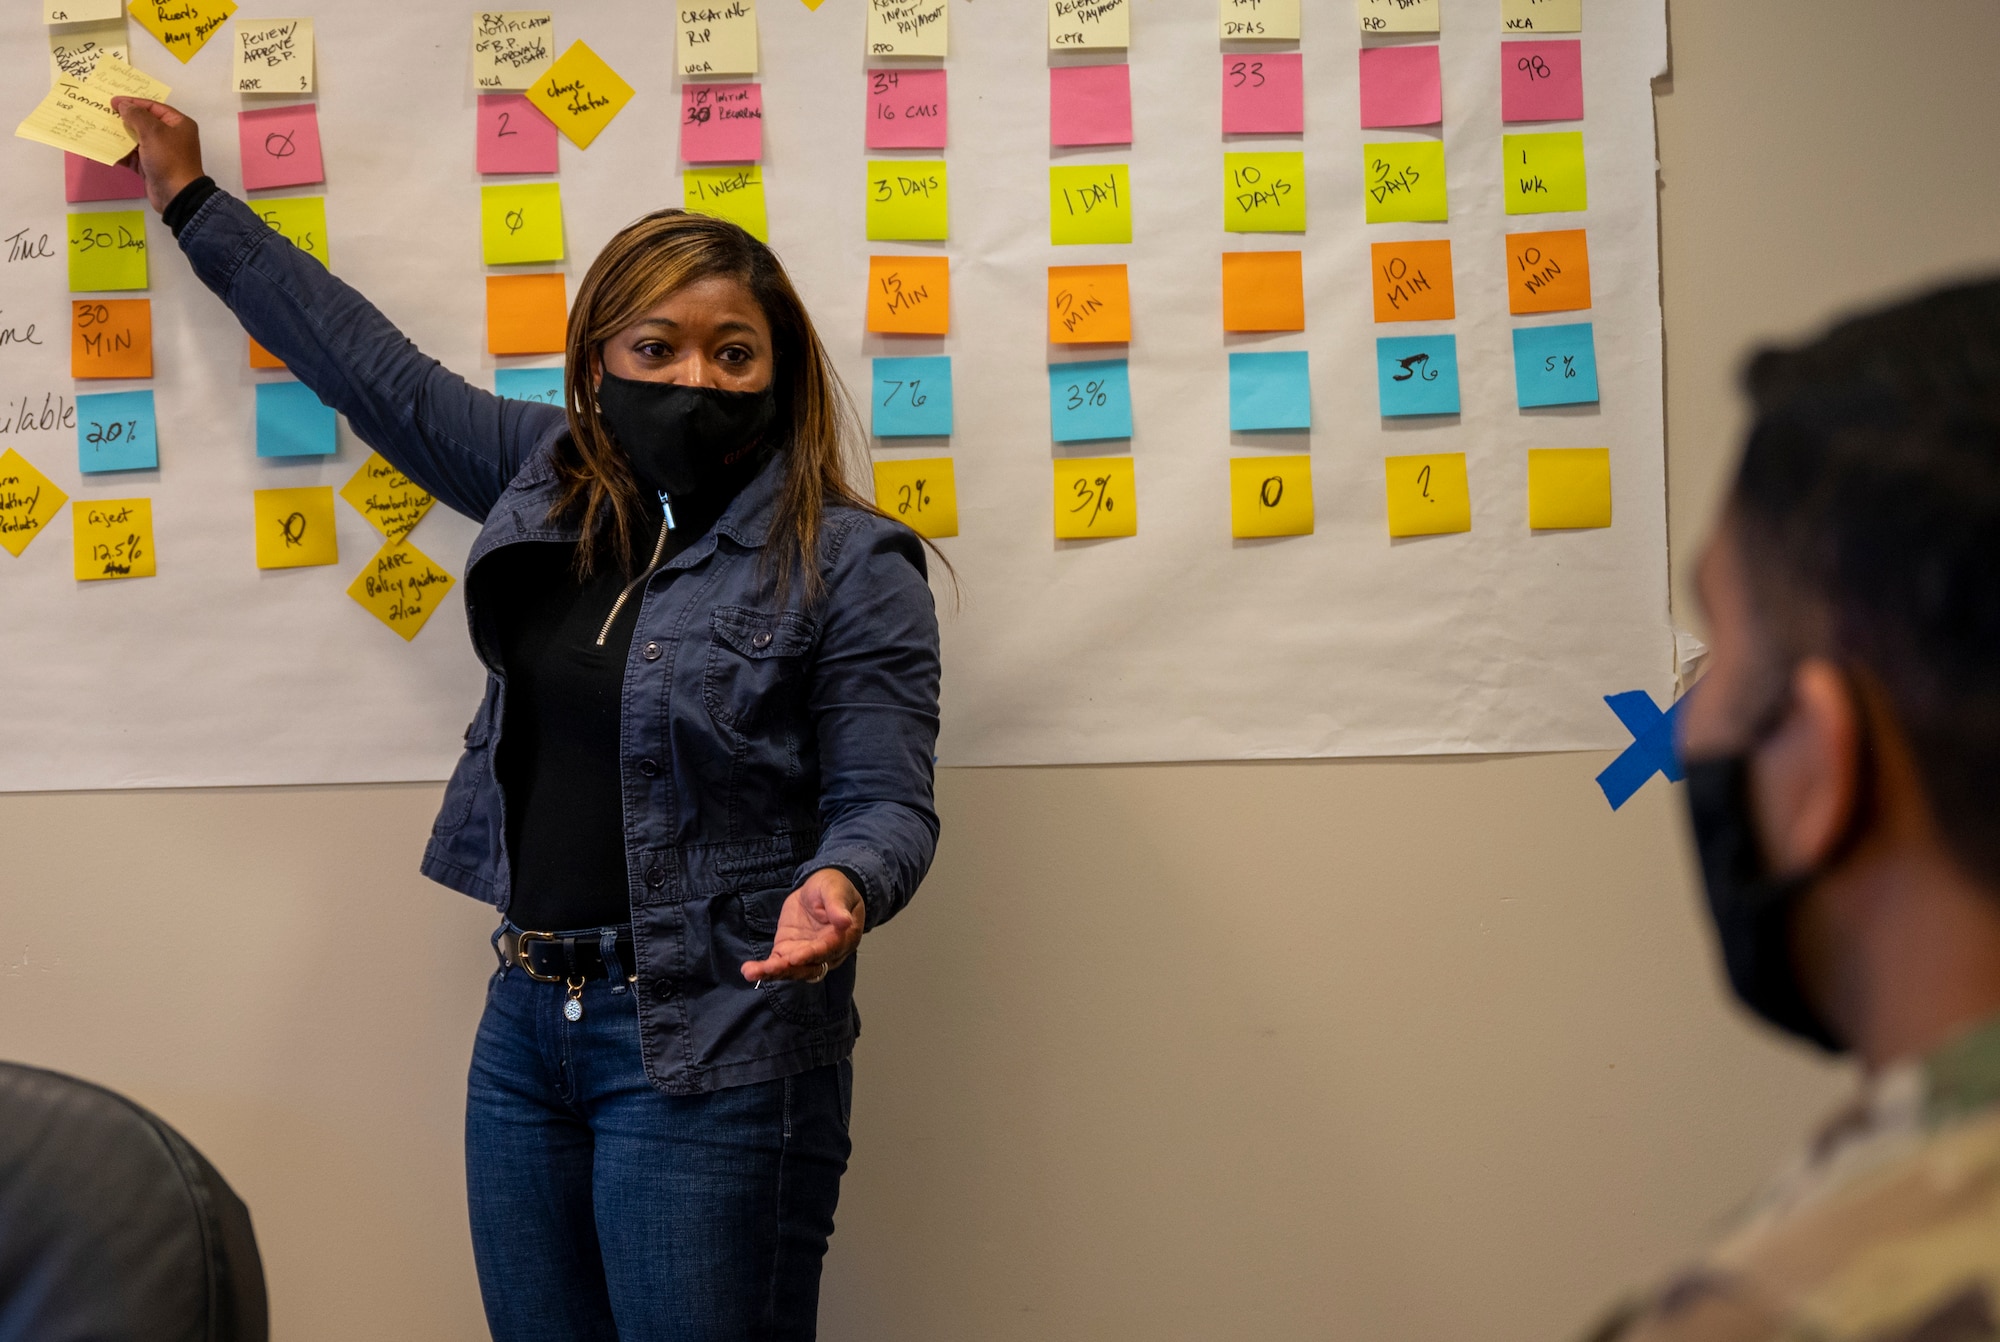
{"x": 921, "y": 493}
{"x": 521, "y": 223}
{"x": 295, "y": 527}
{"x": 114, "y": 75}
{"x": 111, "y": 338}
{"x": 73, "y": 51}
{"x": 401, "y": 586}
{"x": 735, "y": 194}
{"x": 1270, "y": 496}
{"x": 28, "y": 501}
{"x": 107, "y": 250}
{"x": 1081, "y": 25}
{"x": 580, "y": 93}
{"x": 909, "y": 295}
{"x": 511, "y": 48}
{"x": 715, "y": 37}
{"x": 1569, "y": 488}
{"x": 385, "y": 496}
{"x": 906, "y": 27}
{"x": 908, "y": 201}
{"x": 1260, "y": 20}
{"x": 183, "y": 27}
{"x": 1541, "y": 16}
{"x": 1428, "y": 495}
{"x": 1404, "y": 182}
{"x": 81, "y": 11}
{"x": 1264, "y": 193}
{"x": 274, "y": 56}
{"x": 302, "y": 221}
{"x": 1089, "y": 305}
{"x": 1398, "y": 16}
{"x": 79, "y": 119}
{"x": 112, "y": 538}
{"x": 1090, "y": 203}
{"x": 1545, "y": 173}
{"x": 1095, "y": 496}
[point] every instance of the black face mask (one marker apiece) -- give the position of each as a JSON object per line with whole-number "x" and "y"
{"x": 688, "y": 442}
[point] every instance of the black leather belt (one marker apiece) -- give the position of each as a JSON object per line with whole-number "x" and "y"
{"x": 560, "y": 957}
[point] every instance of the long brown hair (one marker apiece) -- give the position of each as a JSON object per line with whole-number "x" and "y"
{"x": 816, "y": 427}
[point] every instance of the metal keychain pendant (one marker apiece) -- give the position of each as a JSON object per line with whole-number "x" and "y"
{"x": 573, "y": 1004}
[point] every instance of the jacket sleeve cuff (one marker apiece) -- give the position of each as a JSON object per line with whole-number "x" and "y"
{"x": 183, "y": 206}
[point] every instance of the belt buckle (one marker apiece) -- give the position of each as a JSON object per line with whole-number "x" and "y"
{"x": 527, "y": 965}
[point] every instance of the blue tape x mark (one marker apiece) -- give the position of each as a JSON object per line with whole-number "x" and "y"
{"x": 1651, "y": 751}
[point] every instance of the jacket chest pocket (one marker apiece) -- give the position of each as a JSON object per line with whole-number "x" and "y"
{"x": 756, "y": 675}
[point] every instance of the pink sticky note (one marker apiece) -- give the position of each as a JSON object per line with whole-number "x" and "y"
{"x": 1541, "y": 81}
{"x": 87, "y": 179}
{"x": 1401, "y": 86}
{"x": 906, "y": 109}
{"x": 1263, "y": 95}
{"x": 722, "y": 123}
{"x": 514, "y": 136}
{"x": 280, "y": 146}
{"x": 1090, "y": 104}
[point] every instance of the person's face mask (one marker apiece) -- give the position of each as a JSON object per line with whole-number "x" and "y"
{"x": 687, "y": 441}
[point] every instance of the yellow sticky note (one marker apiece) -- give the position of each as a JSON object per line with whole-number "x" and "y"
{"x": 1090, "y": 204}
{"x": 1080, "y": 25}
{"x": 1270, "y": 496}
{"x": 1095, "y": 496}
{"x": 295, "y": 527}
{"x": 78, "y": 118}
{"x": 735, "y": 194}
{"x": 906, "y": 27}
{"x": 274, "y": 56}
{"x": 301, "y": 220}
{"x": 74, "y": 51}
{"x": 81, "y": 11}
{"x": 1260, "y": 20}
{"x": 107, "y": 250}
{"x": 1264, "y": 193}
{"x": 401, "y": 586}
{"x": 1542, "y": 16}
{"x": 28, "y": 499}
{"x": 182, "y": 26}
{"x": 1545, "y": 173}
{"x": 716, "y": 37}
{"x": 1569, "y": 488}
{"x": 1429, "y": 495}
{"x": 580, "y": 93}
{"x": 1405, "y": 182}
{"x": 521, "y": 223}
{"x": 907, "y": 200}
{"x": 1399, "y": 16}
{"x": 385, "y": 496}
{"x": 511, "y": 47}
{"x": 112, "y": 538}
{"x": 116, "y": 76}
{"x": 921, "y": 493}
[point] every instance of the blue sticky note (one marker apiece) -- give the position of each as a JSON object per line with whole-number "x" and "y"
{"x": 1555, "y": 365}
{"x": 116, "y": 431}
{"x": 1090, "y": 400}
{"x": 291, "y": 422}
{"x": 1270, "y": 391}
{"x": 530, "y": 384}
{"x": 1418, "y": 374}
{"x": 912, "y": 397}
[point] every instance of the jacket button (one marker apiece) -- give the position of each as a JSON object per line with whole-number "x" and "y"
{"x": 651, "y": 652}
{"x": 762, "y": 639}
{"x": 656, "y": 876}
{"x": 664, "y": 988}
{"x": 650, "y": 768}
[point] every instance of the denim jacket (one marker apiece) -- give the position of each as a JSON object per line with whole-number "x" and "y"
{"x": 762, "y": 737}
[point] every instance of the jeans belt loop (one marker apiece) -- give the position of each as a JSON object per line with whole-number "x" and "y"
{"x": 614, "y": 964}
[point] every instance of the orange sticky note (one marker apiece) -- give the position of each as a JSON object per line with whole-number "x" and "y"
{"x": 1089, "y": 305}
{"x": 1413, "y": 282}
{"x": 111, "y": 337}
{"x": 261, "y": 357}
{"x": 1263, "y": 291}
{"x": 1548, "y": 272}
{"x": 909, "y": 295}
{"x": 525, "y": 314}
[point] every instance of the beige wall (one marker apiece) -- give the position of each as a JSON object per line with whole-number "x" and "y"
{"x": 1391, "y": 1051}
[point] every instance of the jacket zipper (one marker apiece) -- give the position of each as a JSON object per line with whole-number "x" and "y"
{"x": 659, "y": 548}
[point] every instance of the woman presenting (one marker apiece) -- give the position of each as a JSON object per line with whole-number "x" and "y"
{"x": 702, "y": 765}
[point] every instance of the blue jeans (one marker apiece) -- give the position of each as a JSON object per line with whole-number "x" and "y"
{"x": 603, "y": 1208}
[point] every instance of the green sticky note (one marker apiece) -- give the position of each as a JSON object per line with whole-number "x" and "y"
{"x": 1545, "y": 173}
{"x": 735, "y": 194}
{"x": 1264, "y": 193}
{"x": 520, "y": 224}
{"x": 1405, "y": 182}
{"x": 107, "y": 250}
{"x": 1090, "y": 204}
{"x": 302, "y": 220}
{"x": 906, "y": 201}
